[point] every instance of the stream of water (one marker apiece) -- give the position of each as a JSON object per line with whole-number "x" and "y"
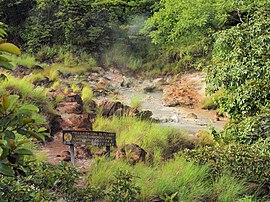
{"x": 172, "y": 116}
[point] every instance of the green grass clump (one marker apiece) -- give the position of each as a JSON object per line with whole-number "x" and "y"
{"x": 211, "y": 102}
{"x": 136, "y": 102}
{"x": 191, "y": 182}
{"x": 227, "y": 188}
{"x": 28, "y": 93}
{"x": 55, "y": 85}
{"x": 160, "y": 142}
{"x": 24, "y": 60}
{"x": 75, "y": 88}
{"x": 208, "y": 103}
{"x": 87, "y": 97}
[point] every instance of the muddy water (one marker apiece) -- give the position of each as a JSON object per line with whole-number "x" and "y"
{"x": 172, "y": 116}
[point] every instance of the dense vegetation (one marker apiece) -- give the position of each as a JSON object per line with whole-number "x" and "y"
{"x": 228, "y": 40}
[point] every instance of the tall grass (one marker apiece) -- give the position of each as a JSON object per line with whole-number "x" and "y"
{"x": 191, "y": 182}
{"x": 24, "y": 59}
{"x": 24, "y": 88}
{"x": 87, "y": 97}
{"x": 159, "y": 142}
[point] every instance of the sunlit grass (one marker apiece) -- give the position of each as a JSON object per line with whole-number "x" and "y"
{"x": 28, "y": 93}
{"x": 24, "y": 60}
{"x": 155, "y": 139}
{"x": 191, "y": 182}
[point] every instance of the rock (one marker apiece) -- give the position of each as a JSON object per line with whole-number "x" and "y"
{"x": 86, "y": 121}
{"x": 149, "y": 89}
{"x": 132, "y": 152}
{"x": 181, "y": 93}
{"x": 175, "y": 119}
{"x": 55, "y": 124}
{"x": 109, "y": 108}
{"x": 20, "y": 71}
{"x": 70, "y": 108}
{"x": 82, "y": 152}
{"x": 43, "y": 82}
{"x": 146, "y": 114}
{"x": 73, "y": 97}
{"x": 65, "y": 155}
{"x": 127, "y": 83}
{"x": 37, "y": 68}
{"x": 192, "y": 116}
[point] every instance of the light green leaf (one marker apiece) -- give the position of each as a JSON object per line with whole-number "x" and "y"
{"x": 10, "y": 48}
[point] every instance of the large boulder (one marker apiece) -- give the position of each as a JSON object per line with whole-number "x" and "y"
{"x": 132, "y": 152}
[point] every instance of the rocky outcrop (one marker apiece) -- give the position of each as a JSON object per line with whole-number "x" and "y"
{"x": 132, "y": 152}
{"x": 181, "y": 93}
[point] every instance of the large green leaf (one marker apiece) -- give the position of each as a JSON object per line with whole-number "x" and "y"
{"x": 27, "y": 108}
{"x": 6, "y": 65}
{"x": 9, "y": 135}
{"x": 10, "y": 48}
{"x": 23, "y": 151}
{"x": 4, "y": 59}
{"x": 6, "y": 170}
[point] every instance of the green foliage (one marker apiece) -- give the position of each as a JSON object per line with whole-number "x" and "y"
{"x": 228, "y": 188}
{"x": 87, "y": 97}
{"x": 251, "y": 162}
{"x": 43, "y": 182}
{"x": 136, "y": 102}
{"x": 123, "y": 188}
{"x": 6, "y": 49}
{"x": 240, "y": 65}
{"x": 21, "y": 119}
{"x": 181, "y": 180}
{"x": 249, "y": 130}
{"x": 159, "y": 142}
{"x": 24, "y": 60}
{"x": 184, "y": 28}
{"x": 27, "y": 92}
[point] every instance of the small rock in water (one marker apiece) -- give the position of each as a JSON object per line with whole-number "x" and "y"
{"x": 175, "y": 118}
{"x": 192, "y": 116}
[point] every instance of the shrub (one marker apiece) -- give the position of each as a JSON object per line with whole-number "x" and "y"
{"x": 248, "y": 130}
{"x": 28, "y": 93}
{"x": 244, "y": 161}
{"x": 43, "y": 182}
{"x": 123, "y": 188}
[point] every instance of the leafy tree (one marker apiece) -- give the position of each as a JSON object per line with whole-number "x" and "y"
{"x": 241, "y": 65}
{"x": 15, "y": 119}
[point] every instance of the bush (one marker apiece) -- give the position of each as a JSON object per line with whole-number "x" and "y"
{"x": 248, "y": 130}
{"x": 123, "y": 188}
{"x": 245, "y": 161}
{"x": 44, "y": 182}
{"x": 28, "y": 94}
